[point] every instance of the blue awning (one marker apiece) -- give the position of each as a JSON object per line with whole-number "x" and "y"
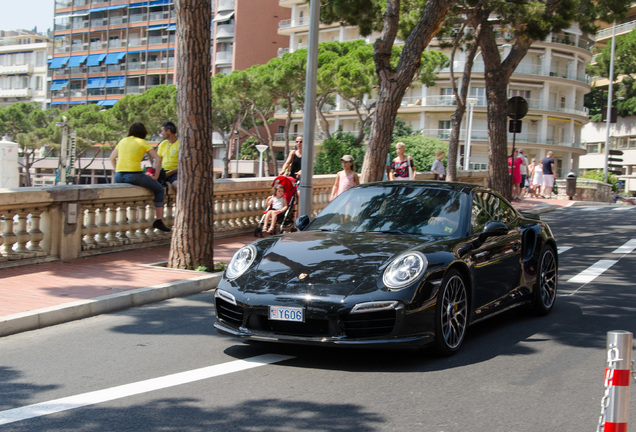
{"x": 75, "y": 61}
{"x": 137, "y": 5}
{"x": 157, "y": 26}
{"x": 58, "y": 62}
{"x": 59, "y": 84}
{"x": 66, "y": 102}
{"x": 114, "y": 58}
{"x": 95, "y": 83}
{"x": 95, "y": 59}
{"x": 160, "y": 2}
{"x": 113, "y": 82}
{"x": 172, "y": 27}
{"x": 102, "y": 9}
{"x": 109, "y": 102}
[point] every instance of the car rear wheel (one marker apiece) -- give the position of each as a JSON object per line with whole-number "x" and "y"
{"x": 451, "y": 315}
{"x": 546, "y": 286}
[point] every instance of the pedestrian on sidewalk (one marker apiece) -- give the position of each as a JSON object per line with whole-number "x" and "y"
{"x": 514, "y": 171}
{"x": 126, "y": 159}
{"x": 402, "y": 167}
{"x": 524, "y": 173}
{"x": 438, "y": 166}
{"x": 345, "y": 179}
{"x": 547, "y": 164}
{"x": 168, "y": 150}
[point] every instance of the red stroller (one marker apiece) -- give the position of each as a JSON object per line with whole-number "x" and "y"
{"x": 285, "y": 220}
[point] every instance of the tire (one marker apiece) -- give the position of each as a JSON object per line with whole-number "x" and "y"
{"x": 546, "y": 285}
{"x": 451, "y": 313}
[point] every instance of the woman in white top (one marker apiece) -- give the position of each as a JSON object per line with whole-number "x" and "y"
{"x": 537, "y": 179}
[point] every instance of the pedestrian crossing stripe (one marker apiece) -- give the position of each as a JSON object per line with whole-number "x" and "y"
{"x": 127, "y": 390}
{"x": 593, "y": 271}
{"x": 626, "y": 248}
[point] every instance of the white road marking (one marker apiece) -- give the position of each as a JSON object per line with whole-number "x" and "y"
{"x": 623, "y": 208}
{"x": 592, "y": 272}
{"x": 626, "y": 248}
{"x": 99, "y": 396}
{"x": 563, "y": 249}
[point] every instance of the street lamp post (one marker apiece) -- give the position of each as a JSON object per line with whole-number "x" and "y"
{"x": 471, "y": 107}
{"x": 261, "y": 148}
{"x": 236, "y": 146}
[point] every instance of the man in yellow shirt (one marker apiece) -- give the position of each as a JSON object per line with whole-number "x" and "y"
{"x": 168, "y": 150}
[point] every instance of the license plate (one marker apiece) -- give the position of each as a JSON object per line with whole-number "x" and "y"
{"x": 284, "y": 313}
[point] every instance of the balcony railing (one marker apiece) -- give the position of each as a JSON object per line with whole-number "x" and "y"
{"x": 43, "y": 224}
{"x": 52, "y": 223}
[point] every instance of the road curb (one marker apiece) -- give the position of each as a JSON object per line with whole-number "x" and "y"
{"x": 44, "y": 317}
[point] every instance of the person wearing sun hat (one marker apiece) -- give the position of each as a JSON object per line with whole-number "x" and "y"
{"x": 345, "y": 179}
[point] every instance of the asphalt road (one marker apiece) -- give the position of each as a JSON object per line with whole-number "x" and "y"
{"x": 162, "y": 368}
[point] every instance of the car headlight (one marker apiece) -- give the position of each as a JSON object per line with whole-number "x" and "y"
{"x": 404, "y": 270}
{"x": 240, "y": 262}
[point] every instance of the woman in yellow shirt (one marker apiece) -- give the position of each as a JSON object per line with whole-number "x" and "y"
{"x": 127, "y": 157}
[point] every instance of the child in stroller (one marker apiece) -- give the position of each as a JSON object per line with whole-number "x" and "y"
{"x": 277, "y": 204}
{"x": 274, "y": 220}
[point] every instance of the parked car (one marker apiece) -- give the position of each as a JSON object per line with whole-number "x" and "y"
{"x": 391, "y": 264}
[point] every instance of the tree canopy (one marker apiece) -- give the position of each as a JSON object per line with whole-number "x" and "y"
{"x": 624, "y": 88}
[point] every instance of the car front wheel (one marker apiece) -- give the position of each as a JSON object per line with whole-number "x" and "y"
{"x": 546, "y": 285}
{"x": 451, "y": 315}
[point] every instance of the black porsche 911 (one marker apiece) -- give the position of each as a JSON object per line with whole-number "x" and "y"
{"x": 391, "y": 264}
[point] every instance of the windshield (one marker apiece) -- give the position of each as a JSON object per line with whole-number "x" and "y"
{"x": 400, "y": 209}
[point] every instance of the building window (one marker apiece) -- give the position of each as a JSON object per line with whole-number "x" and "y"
{"x": 622, "y": 142}
{"x": 480, "y": 94}
{"x": 632, "y": 142}
{"x": 593, "y": 148}
{"x": 523, "y": 93}
{"x": 444, "y": 129}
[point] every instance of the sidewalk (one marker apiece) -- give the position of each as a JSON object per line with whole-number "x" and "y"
{"x": 41, "y": 295}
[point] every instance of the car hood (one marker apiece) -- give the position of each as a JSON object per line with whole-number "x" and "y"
{"x": 328, "y": 263}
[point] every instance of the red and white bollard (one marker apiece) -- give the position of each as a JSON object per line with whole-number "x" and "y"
{"x": 615, "y": 403}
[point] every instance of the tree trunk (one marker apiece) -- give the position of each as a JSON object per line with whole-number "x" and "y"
{"x": 497, "y": 76}
{"x": 192, "y": 235}
{"x": 392, "y": 82}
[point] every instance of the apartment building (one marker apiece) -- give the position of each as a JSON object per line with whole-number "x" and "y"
{"x": 23, "y": 56}
{"x": 551, "y": 78}
{"x": 106, "y": 49}
{"x": 622, "y": 134}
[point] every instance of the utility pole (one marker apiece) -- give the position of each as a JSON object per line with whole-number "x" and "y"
{"x": 609, "y": 105}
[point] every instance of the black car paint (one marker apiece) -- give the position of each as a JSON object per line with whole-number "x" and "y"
{"x": 329, "y": 272}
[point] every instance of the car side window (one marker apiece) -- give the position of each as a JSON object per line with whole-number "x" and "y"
{"x": 479, "y": 215}
{"x": 488, "y": 207}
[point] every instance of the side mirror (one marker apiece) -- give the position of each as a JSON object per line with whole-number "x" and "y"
{"x": 493, "y": 229}
{"x": 302, "y": 222}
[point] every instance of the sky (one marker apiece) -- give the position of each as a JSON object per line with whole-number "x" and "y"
{"x": 26, "y": 14}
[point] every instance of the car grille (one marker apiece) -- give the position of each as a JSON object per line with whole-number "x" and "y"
{"x": 370, "y": 324}
{"x": 228, "y": 312}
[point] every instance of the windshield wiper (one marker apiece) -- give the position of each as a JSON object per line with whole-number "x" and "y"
{"x": 390, "y": 232}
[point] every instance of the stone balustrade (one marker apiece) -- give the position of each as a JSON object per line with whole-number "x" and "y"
{"x": 59, "y": 223}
